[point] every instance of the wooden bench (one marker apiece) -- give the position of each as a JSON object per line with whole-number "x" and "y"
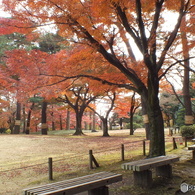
{"x": 192, "y": 147}
{"x": 141, "y": 169}
{"x": 95, "y": 184}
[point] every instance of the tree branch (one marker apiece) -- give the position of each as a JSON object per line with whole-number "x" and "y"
{"x": 141, "y": 28}
{"x": 171, "y": 37}
{"x": 103, "y": 81}
{"x": 177, "y": 62}
{"x": 175, "y": 93}
{"x": 152, "y": 38}
{"x": 126, "y": 25}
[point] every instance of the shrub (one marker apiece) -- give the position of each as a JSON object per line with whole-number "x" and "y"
{"x": 188, "y": 131}
{"x": 8, "y": 131}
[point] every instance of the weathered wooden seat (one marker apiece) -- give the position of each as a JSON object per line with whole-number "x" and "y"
{"x": 192, "y": 147}
{"x": 143, "y": 174}
{"x": 95, "y": 184}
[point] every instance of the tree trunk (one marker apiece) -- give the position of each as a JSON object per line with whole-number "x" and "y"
{"x": 44, "y": 126}
{"x": 61, "y": 126}
{"x": 11, "y": 122}
{"x": 105, "y": 126}
{"x": 145, "y": 117}
{"x": 53, "y": 122}
{"x": 79, "y": 116}
{"x": 16, "y": 129}
{"x": 121, "y": 123}
{"x": 68, "y": 120}
{"x": 29, "y": 119}
{"x": 24, "y": 118}
{"x": 132, "y": 113}
{"x": 131, "y": 124}
{"x": 156, "y": 124}
{"x": 93, "y": 122}
{"x": 186, "y": 81}
{"x": 53, "y": 126}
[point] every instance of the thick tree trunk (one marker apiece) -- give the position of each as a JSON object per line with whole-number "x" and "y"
{"x": 156, "y": 124}
{"x": 16, "y": 129}
{"x": 44, "y": 126}
{"x": 105, "y": 126}
{"x": 145, "y": 117}
{"x": 29, "y": 119}
{"x": 79, "y": 116}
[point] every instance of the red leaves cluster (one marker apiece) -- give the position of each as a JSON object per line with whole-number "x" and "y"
{"x": 8, "y": 26}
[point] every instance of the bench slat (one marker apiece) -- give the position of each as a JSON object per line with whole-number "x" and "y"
{"x": 76, "y": 185}
{"x": 149, "y": 163}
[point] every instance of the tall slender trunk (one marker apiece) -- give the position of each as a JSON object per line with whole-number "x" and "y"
{"x": 93, "y": 123}
{"x": 44, "y": 126}
{"x": 16, "y": 129}
{"x": 61, "y": 126}
{"x": 131, "y": 124}
{"x": 24, "y": 118}
{"x": 29, "y": 118}
{"x": 68, "y": 120}
{"x": 186, "y": 80}
{"x": 132, "y": 111}
{"x": 53, "y": 121}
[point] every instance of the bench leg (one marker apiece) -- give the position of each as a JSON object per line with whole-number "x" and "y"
{"x": 164, "y": 171}
{"x": 99, "y": 191}
{"x": 143, "y": 178}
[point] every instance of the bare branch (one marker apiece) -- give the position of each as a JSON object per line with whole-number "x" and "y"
{"x": 103, "y": 81}
{"x": 171, "y": 37}
{"x": 175, "y": 93}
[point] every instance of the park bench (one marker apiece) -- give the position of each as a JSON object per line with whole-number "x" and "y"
{"x": 192, "y": 147}
{"x": 141, "y": 169}
{"x": 94, "y": 183}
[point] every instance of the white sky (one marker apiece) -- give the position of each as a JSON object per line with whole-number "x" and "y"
{"x": 2, "y": 13}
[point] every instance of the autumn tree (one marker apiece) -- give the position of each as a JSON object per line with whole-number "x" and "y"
{"x": 126, "y": 107}
{"x": 108, "y": 99}
{"x": 7, "y": 110}
{"x": 108, "y": 27}
{"x": 78, "y": 97}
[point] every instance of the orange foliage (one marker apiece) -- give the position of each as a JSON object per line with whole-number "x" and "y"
{"x": 103, "y": 28}
{"x": 9, "y": 26}
{"x": 123, "y": 105}
{"x": 99, "y": 24}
